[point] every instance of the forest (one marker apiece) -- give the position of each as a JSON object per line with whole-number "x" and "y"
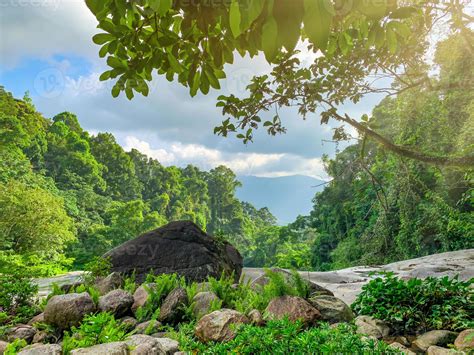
{"x": 67, "y": 196}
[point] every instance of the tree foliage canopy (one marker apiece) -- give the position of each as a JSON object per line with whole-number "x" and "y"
{"x": 358, "y": 43}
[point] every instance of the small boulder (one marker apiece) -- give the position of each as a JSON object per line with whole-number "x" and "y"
{"x": 41, "y": 349}
{"x": 217, "y": 326}
{"x": 109, "y": 283}
{"x": 256, "y": 317}
{"x": 129, "y": 322}
{"x": 332, "y": 309}
{"x": 116, "y": 348}
{"x": 402, "y": 348}
{"x": 465, "y": 340}
{"x": 314, "y": 289}
{"x": 43, "y": 336}
{"x": 140, "y": 297}
{"x": 294, "y": 308}
{"x": 172, "y": 307}
{"x": 39, "y": 318}
{"x": 438, "y": 350}
{"x": 434, "y": 337}
{"x": 117, "y": 302}
{"x": 149, "y": 327}
{"x": 65, "y": 311}
{"x": 202, "y": 303}
{"x": 21, "y": 331}
{"x": 142, "y": 344}
{"x": 3, "y": 346}
{"x": 167, "y": 346}
{"x": 372, "y": 327}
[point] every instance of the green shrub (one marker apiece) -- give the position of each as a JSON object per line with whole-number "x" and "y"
{"x": 17, "y": 298}
{"x": 14, "y": 347}
{"x": 418, "y": 305}
{"x": 285, "y": 337}
{"x": 164, "y": 284}
{"x": 95, "y": 329}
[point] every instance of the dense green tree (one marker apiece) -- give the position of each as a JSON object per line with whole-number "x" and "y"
{"x": 33, "y": 222}
{"x": 119, "y": 171}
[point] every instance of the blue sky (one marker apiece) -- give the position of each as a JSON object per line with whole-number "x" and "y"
{"x": 46, "y": 49}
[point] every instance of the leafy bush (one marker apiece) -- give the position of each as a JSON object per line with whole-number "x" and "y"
{"x": 17, "y": 298}
{"x": 164, "y": 284}
{"x": 14, "y": 347}
{"x": 285, "y": 337}
{"x": 95, "y": 329}
{"x": 418, "y": 305}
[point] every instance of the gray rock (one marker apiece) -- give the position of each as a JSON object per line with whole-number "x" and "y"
{"x": 434, "y": 337}
{"x": 295, "y": 308}
{"x": 109, "y": 283}
{"x": 202, "y": 302}
{"x": 218, "y": 325}
{"x": 171, "y": 310}
{"x": 167, "y": 346}
{"x": 116, "y": 348}
{"x": 372, "y": 327}
{"x": 142, "y": 344}
{"x": 256, "y": 317}
{"x": 149, "y": 327}
{"x": 438, "y": 350}
{"x": 129, "y": 322}
{"x": 140, "y": 297}
{"x": 179, "y": 247}
{"x": 39, "y": 318}
{"x": 147, "y": 345}
{"x": 41, "y": 349}
{"x": 332, "y": 309}
{"x": 65, "y": 311}
{"x": 314, "y": 289}
{"x": 42, "y": 336}
{"x": 465, "y": 340}
{"x": 117, "y": 302}
{"x": 21, "y": 331}
{"x": 3, "y": 346}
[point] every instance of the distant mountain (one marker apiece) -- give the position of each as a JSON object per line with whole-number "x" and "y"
{"x": 286, "y": 197}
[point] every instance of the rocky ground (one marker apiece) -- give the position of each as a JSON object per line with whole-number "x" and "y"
{"x": 347, "y": 283}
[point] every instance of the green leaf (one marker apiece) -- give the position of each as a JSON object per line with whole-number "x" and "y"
{"x": 154, "y": 4}
{"x": 255, "y": 8}
{"x": 115, "y": 90}
{"x": 174, "y": 64}
{"x": 102, "y": 38}
{"x": 195, "y": 84}
{"x": 165, "y": 6}
{"x": 234, "y": 18}
{"x": 269, "y": 38}
{"x": 391, "y": 41}
{"x": 317, "y": 22}
{"x": 116, "y": 63}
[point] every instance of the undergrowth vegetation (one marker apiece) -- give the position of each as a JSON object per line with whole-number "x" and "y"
{"x": 285, "y": 337}
{"x": 418, "y": 305}
{"x": 95, "y": 329}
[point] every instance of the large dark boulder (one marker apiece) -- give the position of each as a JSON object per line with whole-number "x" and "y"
{"x": 178, "y": 247}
